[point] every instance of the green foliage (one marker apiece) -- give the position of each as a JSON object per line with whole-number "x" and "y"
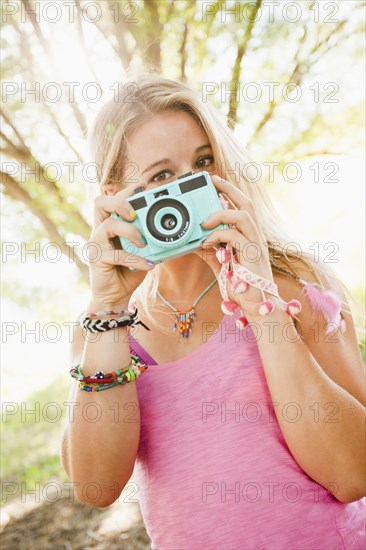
{"x": 31, "y": 442}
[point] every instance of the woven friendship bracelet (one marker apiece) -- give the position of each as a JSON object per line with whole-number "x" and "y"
{"x": 126, "y": 318}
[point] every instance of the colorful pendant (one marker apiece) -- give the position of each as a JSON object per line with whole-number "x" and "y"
{"x": 184, "y": 322}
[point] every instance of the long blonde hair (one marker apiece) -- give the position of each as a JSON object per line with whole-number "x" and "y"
{"x": 150, "y": 94}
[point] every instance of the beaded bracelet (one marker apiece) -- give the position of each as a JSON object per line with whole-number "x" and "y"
{"x": 102, "y": 381}
{"x": 126, "y": 318}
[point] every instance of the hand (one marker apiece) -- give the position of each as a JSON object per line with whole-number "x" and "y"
{"x": 245, "y": 237}
{"x": 111, "y": 280}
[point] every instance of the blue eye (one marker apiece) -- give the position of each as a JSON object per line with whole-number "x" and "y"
{"x": 202, "y": 162}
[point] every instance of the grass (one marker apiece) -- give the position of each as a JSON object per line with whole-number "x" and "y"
{"x": 30, "y": 451}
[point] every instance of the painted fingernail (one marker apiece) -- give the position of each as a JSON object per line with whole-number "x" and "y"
{"x": 149, "y": 262}
{"x": 132, "y": 214}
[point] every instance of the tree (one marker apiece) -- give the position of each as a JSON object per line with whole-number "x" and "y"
{"x": 185, "y": 40}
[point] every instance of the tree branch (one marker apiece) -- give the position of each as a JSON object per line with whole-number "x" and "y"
{"x": 153, "y": 30}
{"x": 183, "y": 54}
{"x": 25, "y": 157}
{"x": 302, "y": 67}
{"x": 232, "y": 115}
{"x": 79, "y": 22}
{"x": 46, "y": 48}
{"x": 13, "y": 190}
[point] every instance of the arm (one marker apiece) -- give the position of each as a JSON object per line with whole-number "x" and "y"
{"x": 323, "y": 379}
{"x": 101, "y": 437}
{"x": 315, "y": 378}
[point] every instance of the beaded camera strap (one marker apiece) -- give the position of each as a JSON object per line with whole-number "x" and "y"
{"x": 324, "y": 301}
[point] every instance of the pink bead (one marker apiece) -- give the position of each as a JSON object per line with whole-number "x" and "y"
{"x": 228, "y": 307}
{"x": 266, "y": 307}
{"x": 223, "y": 255}
{"x": 241, "y": 323}
{"x": 293, "y": 307}
{"x": 230, "y": 275}
{"x": 239, "y": 286}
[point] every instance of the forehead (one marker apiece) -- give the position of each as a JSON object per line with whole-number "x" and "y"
{"x": 165, "y": 135}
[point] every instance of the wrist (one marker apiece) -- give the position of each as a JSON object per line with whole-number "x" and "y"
{"x": 96, "y": 305}
{"x": 278, "y": 314}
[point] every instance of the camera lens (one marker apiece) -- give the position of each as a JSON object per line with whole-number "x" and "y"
{"x": 168, "y": 221}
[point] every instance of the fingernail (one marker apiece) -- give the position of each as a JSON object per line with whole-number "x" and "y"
{"x": 149, "y": 262}
{"x": 132, "y": 214}
{"x": 143, "y": 240}
{"x": 132, "y": 269}
{"x": 205, "y": 220}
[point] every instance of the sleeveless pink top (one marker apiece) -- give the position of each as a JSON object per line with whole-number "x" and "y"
{"x": 213, "y": 469}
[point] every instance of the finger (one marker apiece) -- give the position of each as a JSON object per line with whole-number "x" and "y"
{"x": 242, "y": 220}
{"x": 112, "y": 227}
{"x": 229, "y": 236}
{"x": 130, "y": 258}
{"x": 105, "y": 205}
{"x": 229, "y": 201}
{"x": 238, "y": 199}
{"x": 241, "y": 201}
{"x": 245, "y": 250}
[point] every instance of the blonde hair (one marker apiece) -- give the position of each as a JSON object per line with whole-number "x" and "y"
{"x": 150, "y": 94}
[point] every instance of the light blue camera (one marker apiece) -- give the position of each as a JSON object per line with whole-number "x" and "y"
{"x": 169, "y": 217}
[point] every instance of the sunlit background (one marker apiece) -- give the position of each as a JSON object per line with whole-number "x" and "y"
{"x": 321, "y": 196}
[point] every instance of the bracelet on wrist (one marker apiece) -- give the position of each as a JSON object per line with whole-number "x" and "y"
{"x": 125, "y": 318}
{"x": 102, "y": 381}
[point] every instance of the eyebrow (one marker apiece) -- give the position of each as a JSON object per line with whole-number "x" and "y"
{"x": 165, "y": 160}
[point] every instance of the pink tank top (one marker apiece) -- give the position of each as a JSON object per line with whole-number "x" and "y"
{"x": 213, "y": 469}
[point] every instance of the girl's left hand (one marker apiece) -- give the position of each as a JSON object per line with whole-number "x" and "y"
{"x": 245, "y": 237}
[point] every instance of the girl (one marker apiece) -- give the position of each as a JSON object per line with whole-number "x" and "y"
{"x": 246, "y": 430}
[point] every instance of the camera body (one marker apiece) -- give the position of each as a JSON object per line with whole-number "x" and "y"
{"x": 169, "y": 217}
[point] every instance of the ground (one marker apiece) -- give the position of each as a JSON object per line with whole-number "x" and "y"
{"x": 67, "y": 525}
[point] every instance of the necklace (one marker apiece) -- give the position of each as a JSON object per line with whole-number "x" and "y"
{"x": 184, "y": 320}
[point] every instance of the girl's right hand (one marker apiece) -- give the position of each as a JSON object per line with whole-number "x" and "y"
{"x": 111, "y": 280}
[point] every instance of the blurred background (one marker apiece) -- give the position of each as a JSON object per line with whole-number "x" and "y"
{"x": 288, "y": 77}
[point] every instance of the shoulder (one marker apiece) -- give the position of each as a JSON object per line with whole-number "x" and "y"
{"x": 338, "y": 353}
